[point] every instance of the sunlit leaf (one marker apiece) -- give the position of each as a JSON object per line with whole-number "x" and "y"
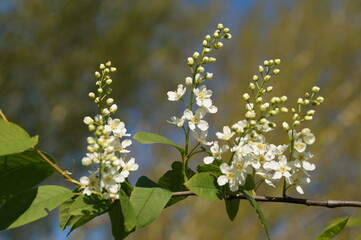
{"x": 22, "y": 171}
{"x": 14, "y": 139}
{"x": 333, "y": 229}
{"x": 148, "y": 203}
{"x": 205, "y": 185}
{"x": 32, "y": 205}
{"x": 150, "y": 138}
{"x": 259, "y": 212}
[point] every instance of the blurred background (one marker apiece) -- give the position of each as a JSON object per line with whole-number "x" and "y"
{"x": 49, "y": 51}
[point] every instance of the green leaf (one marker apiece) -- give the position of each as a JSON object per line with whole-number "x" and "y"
{"x": 76, "y": 212}
{"x": 150, "y": 138}
{"x": 14, "y": 139}
{"x": 259, "y": 212}
{"x": 173, "y": 180}
{"x": 93, "y": 205}
{"x": 22, "y": 171}
{"x": 333, "y": 229}
{"x": 117, "y": 221}
{"x": 128, "y": 213}
{"x": 232, "y": 206}
{"x": 205, "y": 185}
{"x": 249, "y": 185}
{"x": 148, "y": 203}
{"x": 64, "y": 216}
{"x": 32, "y": 205}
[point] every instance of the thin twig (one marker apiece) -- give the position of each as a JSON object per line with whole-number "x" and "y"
{"x": 302, "y": 201}
{"x": 59, "y": 170}
{"x": 2, "y": 115}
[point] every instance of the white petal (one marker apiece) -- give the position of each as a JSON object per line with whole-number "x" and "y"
{"x": 222, "y": 180}
{"x": 208, "y": 160}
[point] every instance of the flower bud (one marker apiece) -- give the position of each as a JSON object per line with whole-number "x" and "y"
{"x": 276, "y": 71}
{"x": 200, "y": 69}
{"x": 300, "y": 101}
{"x": 219, "y": 45}
{"x": 252, "y": 86}
{"x": 246, "y": 96}
{"x": 220, "y": 26}
{"x": 88, "y": 120}
{"x": 226, "y": 30}
{"x": 259, "y": 99}
{"x": 206, "y": 50}
{"x": 91, "y": 95}
{"x": 102, "y": 66}
{"x": 228, "y": 36}
{"x": 97, "y": 74}
{"x": 320, "y": 99}
{"x": 205, "y": 59}
{"x": 271, "y": 62}
{"x": 190, "y": 61}
{"x": 189, "y": 81}
{"x": 113, "y": 108}
{"x": 86, "y": 161}
{"x": 204, "y": 43}
{"x": 285, "y": 126}
{"x": 208, "y": 76}
{"x": 260, "y": 68}
{"x": 113, "y": 69}
{"x": 308, "y": 118}
{"x": 283, "y": 98}
{"x": 250, "y": 114}
{"x": 108, "y": 64}
{"x": 100, "y": 90}
{"x": 207, "y": 38}
{"x": 255, "y": 78}
{"x": 105, "y": 112}
{"x": 212, "y": 59}
{"x": 266, "y": 63}
{"x": 277, "y": 61}
{"x": 109, "y": 81}
{"x": 267, "y": 78}
{"x": 268, "y": 89}
{"x": 284, "y": 109}
{"x": 195, "y": 55}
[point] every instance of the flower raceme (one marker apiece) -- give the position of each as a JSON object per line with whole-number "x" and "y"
{"x": 107, "y": 148}
{"x": 251, "y": 154}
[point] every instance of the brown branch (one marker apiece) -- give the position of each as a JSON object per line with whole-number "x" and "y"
{"x": 302, "y": 201}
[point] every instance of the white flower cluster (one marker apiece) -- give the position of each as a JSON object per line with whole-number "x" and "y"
{"x": 199, "y": 94}
{"x": 106, "y": 149}
{"x": 251, "y": 154}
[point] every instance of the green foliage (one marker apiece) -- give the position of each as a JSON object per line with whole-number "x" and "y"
{"x": 232, "y": 206}
{"x": 212, "y": 168}
{"x": 76, "y": 212}
{"x": 22, "y": 171}
{"x": 148, "y": 201}
{"x": 14, "y": 139}
{"x": 173, "y": 180}
{"x": 258, "y": 210}
{"x": 205, "y": 185}
{"x": 333, "y": 229}
{"x": 150, "y": 138}
{"x": 32, "y": 205}
{"x": 118, "y": 222}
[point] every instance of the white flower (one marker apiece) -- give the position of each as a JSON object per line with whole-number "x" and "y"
{"x": 203, "y": 96}
{"x": 307, "y": 136}
{"x": 240, "y": 126}
{"x": 216, "y": 153}
{"x": 299, "y": 145}
{"x": 230, "y": 176}
{"x": 128, "y": 167}
{"x": 226, "y": 135}
{"x": 177, "y": 121}
{"x": 301, "y": 161}
{"x": 196, "y": 119}
{"x": 201, "y": 137}
{"x": 121, "y": 146}
{"x": 90, "y": 184}
{"x": 178, "y": 94}
{"x": 281, "y": 168}
{"x": 116, "y": 127}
